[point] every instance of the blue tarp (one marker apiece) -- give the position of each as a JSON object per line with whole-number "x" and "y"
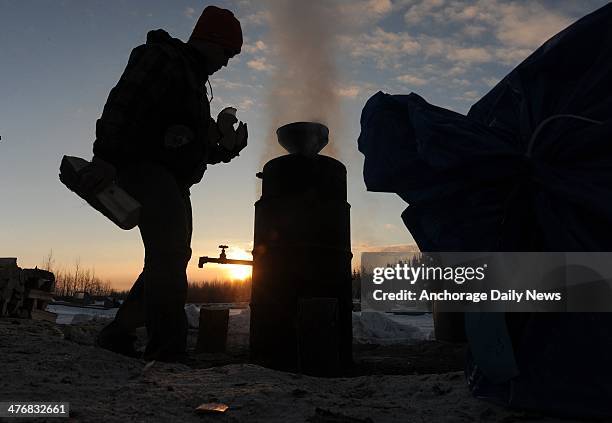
{"x": 528, "y": 169}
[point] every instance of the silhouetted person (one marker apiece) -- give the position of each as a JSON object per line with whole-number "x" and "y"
{"x": 156, "y": 137}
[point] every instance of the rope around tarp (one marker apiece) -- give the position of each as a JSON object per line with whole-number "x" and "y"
{"x": 542, "y": 124}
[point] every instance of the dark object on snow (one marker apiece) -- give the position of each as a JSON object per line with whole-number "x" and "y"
{"x": 212, "y": 335}
{"x": 528, "y": 169}
{"x": 25, "y": 292}
{"x": 212, "y": 408}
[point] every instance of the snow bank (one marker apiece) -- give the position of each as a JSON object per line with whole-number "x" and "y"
{"x": 388, "y": 329}
{"x": 368, "y": 327}
{"x": 67, "y": 315}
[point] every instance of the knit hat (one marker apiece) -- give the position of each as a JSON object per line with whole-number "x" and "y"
{"x": 219, "y": 26}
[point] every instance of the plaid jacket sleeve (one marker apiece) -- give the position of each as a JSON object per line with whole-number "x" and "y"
{"x": 143, "y": 85}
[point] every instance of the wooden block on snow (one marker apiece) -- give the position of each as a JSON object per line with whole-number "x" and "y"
{"x": 43, "y": 315}
{"x": 212, "y": 337}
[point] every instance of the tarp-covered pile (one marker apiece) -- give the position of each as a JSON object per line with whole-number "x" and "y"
{"x": 528, "y": 169}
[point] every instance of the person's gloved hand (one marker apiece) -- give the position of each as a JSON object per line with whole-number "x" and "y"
{"x": 232, "y": 140}
{"x": 242, "y": 135}
{"x": 238, "y": 142}
{"x": 97, "y": 176}
{"x": 226, "y": 120}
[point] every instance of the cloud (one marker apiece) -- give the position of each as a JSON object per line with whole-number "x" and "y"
{"x": 419, "y": 11}
{"x": 259, "y": 18}
{"x": 474, "y": 30}
{"x": 256, "y": 47}
{"x": 232, "y": 85}
{"x": 447, "y": 43}
{"x": 490, "y": 82}
{"x": 516, "y": 24}
{"x": 455, "y": 70}
{"x": 469, "y": 96}
{"x": 512, "y": 55}
{"x": 351, "y": 91}
{"x": 412, "y": 80}
{"x": 260, "y": 64}
{"x": 480, "y": 11}
{"x": 389, "y": 50}
{"x": 510, "y": 30}
{"x": 433, "y": 46}
{"x": 363, "y": 12}
{"x": 383, "y": 47}
{"x": 528, "y": 25}
{"x": 380, "y": 7}
{"x": 189, "y": 12}
{"x": 229, "y": 85}
{"x": 461, "y": 82}
{"x": 246, "y": 104}
{"x": 468, "y": 55}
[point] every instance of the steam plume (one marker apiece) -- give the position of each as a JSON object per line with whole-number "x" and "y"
{"x": 303, "y": 84}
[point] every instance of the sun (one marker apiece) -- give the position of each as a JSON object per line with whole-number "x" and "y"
{"x": 236, "y": 271}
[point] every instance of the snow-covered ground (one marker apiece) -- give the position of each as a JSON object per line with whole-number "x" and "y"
{"x": 67, "y": 315}
{"x": 368, "y": 327}
{"x": 47, "y": 362}
{"x": 374, "y": 327}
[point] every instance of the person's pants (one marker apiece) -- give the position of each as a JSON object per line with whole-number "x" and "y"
{"x": 158, "y": 296}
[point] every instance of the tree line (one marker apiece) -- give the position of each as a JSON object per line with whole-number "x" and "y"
{"x": 78, "y": 279}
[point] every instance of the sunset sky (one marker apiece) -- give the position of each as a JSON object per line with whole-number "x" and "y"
{"x": 59, "y": 60}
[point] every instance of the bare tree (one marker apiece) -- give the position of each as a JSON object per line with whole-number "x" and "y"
{"x": 48, "y": 262}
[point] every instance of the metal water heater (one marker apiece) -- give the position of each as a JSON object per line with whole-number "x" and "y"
{"x": 301, "y": 299}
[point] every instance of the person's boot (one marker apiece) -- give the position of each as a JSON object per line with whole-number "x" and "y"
{"x": 167, "y": 331}
{"x": 113, "y": 339}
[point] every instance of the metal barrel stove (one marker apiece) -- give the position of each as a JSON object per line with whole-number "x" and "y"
{"x": 301, "y": 294}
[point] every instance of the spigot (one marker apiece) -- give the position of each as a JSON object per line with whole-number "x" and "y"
{"x": 223, "y": 259}
{"x": 223, "y": 256}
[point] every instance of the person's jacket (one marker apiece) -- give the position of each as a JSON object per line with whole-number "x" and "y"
{"x": 159, "y": 111}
